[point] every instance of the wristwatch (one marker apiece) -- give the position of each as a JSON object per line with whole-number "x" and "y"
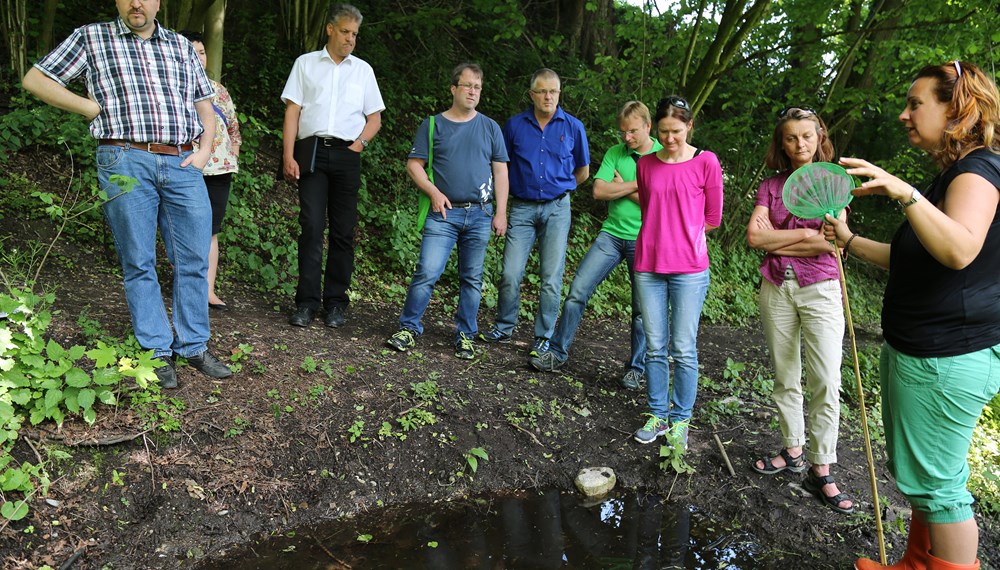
{"x": 914, "y": 198}
{"x": 363, "y": 142}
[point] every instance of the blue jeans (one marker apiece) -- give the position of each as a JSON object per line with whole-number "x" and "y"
{"x": 671, "y": 308}
{"x": 603, "y": 256}
{"x": 175, "y": 200}
{"x": 549, "y": 223}
{"x": 470, "y": 229}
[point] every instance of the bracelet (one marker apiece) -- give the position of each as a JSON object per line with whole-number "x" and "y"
{"x": 847, "y": 244}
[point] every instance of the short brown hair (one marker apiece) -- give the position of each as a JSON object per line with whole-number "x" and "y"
{"x": 456, "y": 73}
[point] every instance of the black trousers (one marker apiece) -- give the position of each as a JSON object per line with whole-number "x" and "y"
{"x": 331, "y": 191}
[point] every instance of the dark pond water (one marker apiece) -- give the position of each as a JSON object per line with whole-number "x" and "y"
{"x": 533, "y": 530}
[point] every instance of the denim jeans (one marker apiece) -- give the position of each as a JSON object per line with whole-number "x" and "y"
{"x": 175, "y": 200}
{"x": 548, "y": 222}
{"x": 470, "y": 229}
{"x": 331, "y": 191}
{"x": 671, "y": 308}
{"x": 603, "y": 256}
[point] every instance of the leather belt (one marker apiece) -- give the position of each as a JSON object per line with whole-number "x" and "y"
{"x": 155, "y": 148}
{"x": 331, "y": 141}
{"x": 467, "y": 205}
{"x": 559, "y": 197}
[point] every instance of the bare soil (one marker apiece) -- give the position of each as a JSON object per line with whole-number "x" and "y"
{"x": 271, "y": 448}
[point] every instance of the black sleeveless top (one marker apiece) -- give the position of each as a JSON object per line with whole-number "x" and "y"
{"x": 930, "y": 310}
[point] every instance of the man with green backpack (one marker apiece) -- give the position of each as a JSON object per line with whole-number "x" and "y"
{"x": 458, "y": 161}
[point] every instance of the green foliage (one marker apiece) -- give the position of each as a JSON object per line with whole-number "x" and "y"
{"x": 473, "y": 456}
{"x": 43, "y": 381}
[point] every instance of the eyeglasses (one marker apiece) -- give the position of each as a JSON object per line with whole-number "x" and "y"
{"x": 786, "y": 110}
{"x": 630, "y": 132}
{"x": 552, "y": 92}
{"x": 674, "y": 101}
{"x": 470, "y": 86}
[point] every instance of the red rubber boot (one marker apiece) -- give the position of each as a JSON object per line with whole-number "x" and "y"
{"x": 918, "y": 546}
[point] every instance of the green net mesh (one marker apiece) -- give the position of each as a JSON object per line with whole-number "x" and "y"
{"x": 817, "y": 189}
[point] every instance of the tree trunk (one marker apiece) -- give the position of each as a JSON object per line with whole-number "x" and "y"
{"x": 14, "y": 28}
{"x": 215, "y": 19}
{"x": 45, "y": 41}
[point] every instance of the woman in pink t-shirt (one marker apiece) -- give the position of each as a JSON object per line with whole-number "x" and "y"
{"x": 800, "y": 303}
{"x": 680, "y": 194}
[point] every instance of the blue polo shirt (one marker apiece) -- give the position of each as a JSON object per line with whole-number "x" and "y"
{"x": 542, "y": 162}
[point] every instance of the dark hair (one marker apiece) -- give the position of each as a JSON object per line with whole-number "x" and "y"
{"x": 338, "y": 11}
{"x": 673, "y": 106}
{"x": 544, "y": 73}
{"x": 192, "y": 35}
{"x": 973, "y": 108}
{"x": 776, "y": 157}
{"x": 456, "y": 74}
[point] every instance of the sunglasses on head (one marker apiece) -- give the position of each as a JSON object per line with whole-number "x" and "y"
{"x": 786, "y": 110}
{"x": 674, "y": 101}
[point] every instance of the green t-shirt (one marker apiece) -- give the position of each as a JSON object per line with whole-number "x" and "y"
{"x": 624, "y": 215}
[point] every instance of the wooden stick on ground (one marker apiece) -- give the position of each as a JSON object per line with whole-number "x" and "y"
{"x": 725, "y": 456}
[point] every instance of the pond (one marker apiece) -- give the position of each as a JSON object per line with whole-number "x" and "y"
{"x": 537, "y": 530}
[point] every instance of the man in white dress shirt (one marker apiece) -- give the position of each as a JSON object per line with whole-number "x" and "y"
{"x": 333, "y": 102}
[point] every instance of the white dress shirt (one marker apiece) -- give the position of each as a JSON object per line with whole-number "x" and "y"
{"x": 335, "y": 98}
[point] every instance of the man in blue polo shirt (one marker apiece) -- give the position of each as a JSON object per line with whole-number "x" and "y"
{"x": 549, "y": 158}
{"x": 615, "y": 243}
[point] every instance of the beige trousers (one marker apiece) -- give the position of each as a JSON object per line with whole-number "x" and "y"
{"x": 812, "y": 318}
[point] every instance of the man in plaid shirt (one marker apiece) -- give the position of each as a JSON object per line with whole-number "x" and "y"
{"x": 147, "y": 99}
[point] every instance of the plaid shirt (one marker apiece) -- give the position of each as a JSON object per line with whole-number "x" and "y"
{"x": 146, "y": 88}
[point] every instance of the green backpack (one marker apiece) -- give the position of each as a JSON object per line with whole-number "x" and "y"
{"x": 424, "y": 200}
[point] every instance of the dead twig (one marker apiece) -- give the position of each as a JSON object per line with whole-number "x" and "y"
{"x": 529, "y": 433}
{"x": 108, "y": 440}
{"x": 725, "y": 456}
{"x": 149, "y": 457}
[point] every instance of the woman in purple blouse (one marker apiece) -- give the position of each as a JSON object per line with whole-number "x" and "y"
{"x": 800, "y": 305}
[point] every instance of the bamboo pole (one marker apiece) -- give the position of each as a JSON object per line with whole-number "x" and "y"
{"x": 861, "y": 403}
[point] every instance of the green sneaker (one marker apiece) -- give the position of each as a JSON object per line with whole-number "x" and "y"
{"x": 654, "y": 428}
{"x": 679, "y": 432}
{"x": 403, "y": 340}
{"x": 464, "y": 348}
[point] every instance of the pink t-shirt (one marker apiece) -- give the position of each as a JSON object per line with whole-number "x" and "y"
{"x": 677, "y": 200}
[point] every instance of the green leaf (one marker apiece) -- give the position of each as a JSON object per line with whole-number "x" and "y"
{"x": 76, "y": 352}
{"x": 86, "y": 398}
{"x": 473, "y": 462}
{"x": 77, "y": 378}
{"x": 54, "y": 350}
{"x": 106, "y": 377}
{"x": 14, "y": 480}
{"x": 106, "y": 396}
{"x": 90, "y": 416}
{"x": 103, "y": 356}
{"x": 70, "y": 400}
{"x": 53, "y": 398}
{"x": 21, "y": 396}
{"x": 14, "y": 511}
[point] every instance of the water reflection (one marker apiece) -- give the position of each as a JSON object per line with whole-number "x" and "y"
{"x": 537, "y": 530}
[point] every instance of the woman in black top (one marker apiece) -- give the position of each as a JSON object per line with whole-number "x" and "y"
{"x": 940, "y": 363}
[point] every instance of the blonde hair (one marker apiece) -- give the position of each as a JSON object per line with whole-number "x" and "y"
{"x": 634, "y": 109}
{"x": 973, "y": 109}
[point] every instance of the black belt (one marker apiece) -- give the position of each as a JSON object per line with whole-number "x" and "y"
{"x": 467, "y": 205}
{"x": 155, "y": 148}
{"x": 331, "y": 141}
{"x": 559, "y": 197}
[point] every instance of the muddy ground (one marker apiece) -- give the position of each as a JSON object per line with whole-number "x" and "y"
{"x": 280, "y": 444}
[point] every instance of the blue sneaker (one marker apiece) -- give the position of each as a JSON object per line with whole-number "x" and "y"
{"x": 540, "y": 347}
{"x": 494, "y": 335}
{"x": 654, "y": 428}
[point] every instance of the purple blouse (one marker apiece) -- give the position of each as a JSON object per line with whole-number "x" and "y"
{"x": 808, "y": 270}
